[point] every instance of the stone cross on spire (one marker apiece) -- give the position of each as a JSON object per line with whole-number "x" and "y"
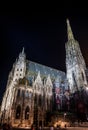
{"x": 69, "y": 31}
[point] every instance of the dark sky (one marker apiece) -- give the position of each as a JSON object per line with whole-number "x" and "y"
{"x": 43, "y": 35}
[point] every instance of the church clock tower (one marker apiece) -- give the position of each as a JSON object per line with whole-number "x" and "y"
{"x": 75, "y": 64}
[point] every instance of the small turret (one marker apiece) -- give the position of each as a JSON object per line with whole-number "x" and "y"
{"x": 48, "y": 81}
{"x": 20, "y": 66}
{"x": 38, "y": 79}
{"x": 38, "y": 84}
{"x": 23, "y": 51}
{"x": 22, "y": 55}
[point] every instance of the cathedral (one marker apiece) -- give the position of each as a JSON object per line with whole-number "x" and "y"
{"x": 33, "y": 89}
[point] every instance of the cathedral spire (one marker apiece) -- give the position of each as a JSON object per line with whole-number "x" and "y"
{"x": 69, "y": 31}
{"x": 23, "y": 50}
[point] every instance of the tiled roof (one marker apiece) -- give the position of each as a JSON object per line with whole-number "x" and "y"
{"x": 33, "y": 68}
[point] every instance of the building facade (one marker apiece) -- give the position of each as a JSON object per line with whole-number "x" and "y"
{"x": 33, "y": 89}
{"x": 29, "y": 93}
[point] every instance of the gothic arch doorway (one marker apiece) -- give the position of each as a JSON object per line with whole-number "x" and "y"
{"x": 18, "y": 112}
{"x": 18, "y": 93}
{"x": 27, "y": 113}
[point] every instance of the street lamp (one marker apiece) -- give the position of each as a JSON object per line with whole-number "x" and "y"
{"x": 65, "y": 115}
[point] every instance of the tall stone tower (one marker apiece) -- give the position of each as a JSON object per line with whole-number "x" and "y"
{"x": 75, "y": 64}
{"x": 18, "y": 72}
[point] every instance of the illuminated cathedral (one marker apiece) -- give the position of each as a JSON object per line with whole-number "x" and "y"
{"x": 33, "y": 89}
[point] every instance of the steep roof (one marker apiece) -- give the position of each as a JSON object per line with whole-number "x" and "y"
{"x": 33, "y": 68}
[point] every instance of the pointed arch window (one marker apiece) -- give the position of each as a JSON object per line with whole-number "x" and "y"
{"x": 30, "y": 94}
{"x": 18, "y": 93}
{"x": 82, "y": 76}
{"x": 40, "y": 100}
{"x": 74, "y": 79}
{"x": 26, "y": 94}
{"x": 18, "y": 112}
{"x": 17, "y": 69}
{"x": 27, "y": 113}
{"x": 35, "y": 99}
{"x": 23, "y": 93}
{"x": 20, "y": 69}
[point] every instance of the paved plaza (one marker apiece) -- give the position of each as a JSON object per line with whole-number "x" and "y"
{"x": 68, "y": 128}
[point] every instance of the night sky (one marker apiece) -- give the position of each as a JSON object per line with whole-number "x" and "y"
{"x": 43, "y": 35}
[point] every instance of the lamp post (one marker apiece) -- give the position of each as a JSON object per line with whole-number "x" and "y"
{"x": 65, "y": 116}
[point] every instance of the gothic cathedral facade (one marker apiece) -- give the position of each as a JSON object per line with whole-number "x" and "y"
{"x": 34, "y": 89}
